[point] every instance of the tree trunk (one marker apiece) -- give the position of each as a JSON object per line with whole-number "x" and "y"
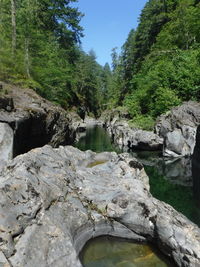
{"x": 27, "y": 59}
{"x": 14, "y": 34}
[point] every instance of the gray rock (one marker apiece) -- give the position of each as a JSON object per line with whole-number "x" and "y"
{"x": 6, "y": 142}
{"x": 36, "y": 121}
{"x": 178, "y": 128}
{"x": 130, "y": 138}
{"x": 52, "y": 201}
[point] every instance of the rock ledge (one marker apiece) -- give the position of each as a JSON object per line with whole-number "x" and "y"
{"x": 54, "y": 200}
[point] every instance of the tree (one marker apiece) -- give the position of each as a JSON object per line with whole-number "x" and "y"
{"x": 14, "y": 33}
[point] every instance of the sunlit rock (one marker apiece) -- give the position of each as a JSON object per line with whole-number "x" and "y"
{"x": 6, "y": 142}
{"x": 54, "y": 200}
{"x": 178, "y": 128}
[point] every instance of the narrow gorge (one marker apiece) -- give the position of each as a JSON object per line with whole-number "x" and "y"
{"x": 60, "y": 198}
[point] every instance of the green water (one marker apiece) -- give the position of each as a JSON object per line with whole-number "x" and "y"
{"x": 112, "y": 252}
{"x": 96, "y": 139}
{"x": 178, "y": 196}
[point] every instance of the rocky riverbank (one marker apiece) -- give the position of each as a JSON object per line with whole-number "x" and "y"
{"x": 178, "y": 129}
{"x": 28, "y": 121}
{"x": 54, "y": 200}
{"x": 126, "y": 137}
{"x": 174, "y": 132}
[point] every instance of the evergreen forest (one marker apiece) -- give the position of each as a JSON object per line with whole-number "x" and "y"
{"x": 157, "y": 68}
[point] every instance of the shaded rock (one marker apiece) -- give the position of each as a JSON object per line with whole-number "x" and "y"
{"x": 178, "y": 128}
{"x": 52, "y": 203}
{"x": 35, "y": 121}
{"x": 6, "y": 103}
{"x": 196, "y": 168}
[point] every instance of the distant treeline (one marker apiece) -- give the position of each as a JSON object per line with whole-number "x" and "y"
{"x": 158, "y": 66}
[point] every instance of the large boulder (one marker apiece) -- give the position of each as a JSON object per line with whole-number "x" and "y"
{"x": 178, "y": 128}
{"x": 54, "y": 200}
{"x": 34, "y": 120}
{"x": 130, "y": 138}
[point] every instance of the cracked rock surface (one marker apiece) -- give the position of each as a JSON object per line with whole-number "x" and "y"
{"x": 52, "y": 201}
{"x": 127, "y": 137}
{"x": 178, "y": 128}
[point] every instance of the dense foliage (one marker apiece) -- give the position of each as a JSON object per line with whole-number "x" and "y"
{"x": 158, "y": 67}
{"x": 159, "y": 64}
{"x": 40, "y": 48}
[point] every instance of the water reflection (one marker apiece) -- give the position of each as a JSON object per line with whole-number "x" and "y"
{"x": 176, "y": 170}
{"x": 96, "y": 139}
{"x": 170, "y": 180}
{"x": 196, "y": 168}
{"x": 114, "y": 252}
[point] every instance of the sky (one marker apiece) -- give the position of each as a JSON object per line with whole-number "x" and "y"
{"x": 107, "y": 23}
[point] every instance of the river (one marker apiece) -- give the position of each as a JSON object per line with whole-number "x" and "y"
{"x": 170, "y": 181}
{"x": 166, "y": 184}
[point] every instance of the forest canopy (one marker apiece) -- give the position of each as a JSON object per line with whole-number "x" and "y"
{"x": 40, "y": 48}
{"x": 158, "y": 66}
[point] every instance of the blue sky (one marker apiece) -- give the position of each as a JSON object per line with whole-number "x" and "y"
{"x": 107, "y": 23}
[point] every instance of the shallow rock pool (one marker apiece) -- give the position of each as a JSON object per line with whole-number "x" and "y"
{"x": 113, "y": 252}
{"x": 166, "y": 177}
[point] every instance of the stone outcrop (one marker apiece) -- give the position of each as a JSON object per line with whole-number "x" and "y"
{"x": 175, "y": 131}
{"x": 54, "y": 200}
{"x": 178, "y": 128}
{"x": 34, "y": 120}
{"x": 131, "y": 138}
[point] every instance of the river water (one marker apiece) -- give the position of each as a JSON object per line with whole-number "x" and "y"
{"x": 165, "y": 177}
{"x": 170, "y": 181}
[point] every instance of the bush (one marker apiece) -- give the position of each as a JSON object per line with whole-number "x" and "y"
{"x": 165, "y": 99}
{"x": 143, "y": 122}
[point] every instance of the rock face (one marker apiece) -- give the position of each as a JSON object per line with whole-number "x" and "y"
{"x": 178, "y": 128}
{"x": 34, "y": 120}
{"x": 6, "y": 142}
{"x": 54, "y": 200}
{"x": 127, "y": 137}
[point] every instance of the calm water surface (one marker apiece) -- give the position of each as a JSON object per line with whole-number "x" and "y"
{"x": 112, "y": 252}
{"x": 163, "y": 183}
